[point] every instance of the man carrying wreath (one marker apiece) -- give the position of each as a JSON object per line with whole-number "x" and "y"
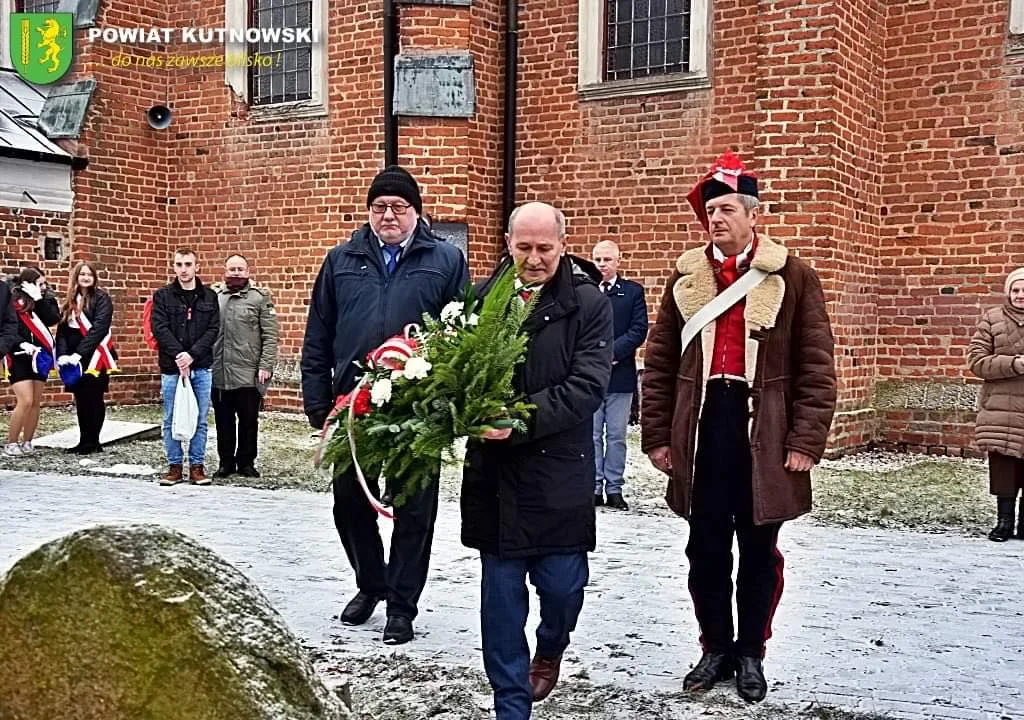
{"x": 386, "y": 276}
{"x": 527, "y": 497}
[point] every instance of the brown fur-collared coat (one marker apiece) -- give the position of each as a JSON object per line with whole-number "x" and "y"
{"x": 998, "y": 339}
{"x": 789, "y": 365}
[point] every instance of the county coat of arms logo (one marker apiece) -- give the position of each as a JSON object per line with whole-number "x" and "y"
{"x": 41, "y": 45}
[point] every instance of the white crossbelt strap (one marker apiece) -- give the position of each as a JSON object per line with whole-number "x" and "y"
{"x": 722, "y": 302}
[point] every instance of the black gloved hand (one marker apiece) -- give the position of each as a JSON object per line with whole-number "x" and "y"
{"x": 318, "y": 417}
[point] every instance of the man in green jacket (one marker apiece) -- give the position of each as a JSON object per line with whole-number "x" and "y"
{"x": 243, "y": 360}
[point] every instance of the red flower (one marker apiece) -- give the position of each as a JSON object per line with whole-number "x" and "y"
{"x": 362, "y": 401}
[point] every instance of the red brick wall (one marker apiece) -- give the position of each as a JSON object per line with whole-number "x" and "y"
{"x": 953, "y": 198}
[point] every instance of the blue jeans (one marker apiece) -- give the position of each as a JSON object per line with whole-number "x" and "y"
{"x": 610, "y": 423}
{"x": 504, "y": 607}
{"x": 202, "y": 385}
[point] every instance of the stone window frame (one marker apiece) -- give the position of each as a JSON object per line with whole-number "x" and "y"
{"x": 1017, "y": 17}
{"x": 236, "y": 15}
{"x": 591, "y": 35}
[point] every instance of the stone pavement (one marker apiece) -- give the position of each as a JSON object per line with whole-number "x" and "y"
{"x": 910, "y": 625}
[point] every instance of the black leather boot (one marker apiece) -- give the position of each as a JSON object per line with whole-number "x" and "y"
{"x": 712, "y": 668}
{"x": 1020, "y": 519}
{"x": 750, "y": 682}
{"x": 1003, "y": 530}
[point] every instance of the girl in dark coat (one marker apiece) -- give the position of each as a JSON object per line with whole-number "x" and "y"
{"x": 29, "y": 363}
{"x": 85, "y": 352}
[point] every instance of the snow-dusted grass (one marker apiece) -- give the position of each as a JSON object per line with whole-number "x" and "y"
{"x": 913, "y": 492}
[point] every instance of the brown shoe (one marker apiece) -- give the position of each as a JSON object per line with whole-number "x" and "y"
{"x": 543, "y": 676}
{"x": 197, "y": 475}
{"x": 173, "y": 476}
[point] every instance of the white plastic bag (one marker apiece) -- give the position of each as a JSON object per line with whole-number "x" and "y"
{"x": 185, "y": 414}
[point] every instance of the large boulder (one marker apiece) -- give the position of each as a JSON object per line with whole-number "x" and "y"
{"x": 139, "y": 622}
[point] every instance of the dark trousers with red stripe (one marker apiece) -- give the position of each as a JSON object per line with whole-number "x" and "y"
{"x": 721, "y": 506}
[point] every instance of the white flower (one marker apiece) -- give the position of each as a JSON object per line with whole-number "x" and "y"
{"x": 473, "y": 319}
{"x": 415, "y": 368}
{"x": 380, "y": 392}
{"x": 451, "y": 312}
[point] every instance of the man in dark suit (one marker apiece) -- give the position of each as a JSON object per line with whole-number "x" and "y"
{"x": 612, "y": 417}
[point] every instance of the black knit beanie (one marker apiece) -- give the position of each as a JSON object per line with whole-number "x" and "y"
{"x": 394, "y": 180}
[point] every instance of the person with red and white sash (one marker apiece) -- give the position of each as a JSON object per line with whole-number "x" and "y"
{"x": 28, "y": 363}
{"x": 85, "y": 352}
{"x": 739, "y": 389}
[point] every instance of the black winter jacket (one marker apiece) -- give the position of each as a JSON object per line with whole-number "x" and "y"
{"x": 46, "y": 309}
{"x": 70, "y": 340}
{"x": 179, "y": 327}
{"x": 9, "y": 337}
{"x": 356, "y": 306}
{"x": 533, "y": 494}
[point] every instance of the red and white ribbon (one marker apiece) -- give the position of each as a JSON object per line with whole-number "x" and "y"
{"x": 374, "y": 502}
{"x": 393, "y": 352}
{"x": 41, "y": 333}
{"x": 103, "y": 356}
{"x": 350, "y": 401}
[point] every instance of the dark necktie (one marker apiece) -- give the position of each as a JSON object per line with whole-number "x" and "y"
{"x": 391, "y": 253}
{"x": 606, "y": 287}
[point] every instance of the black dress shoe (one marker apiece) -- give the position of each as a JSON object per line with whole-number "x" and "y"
{"x": 712, "y": 668}
{"x": 224, "y": 471}
{"x": 76, "y": 450}
{"x": 598, "y": 499}
{"x": 616, "y": 502}
{"x": 248, "y": 471}
{"x": 359, "y": 608}
{"x": 90, "y": 449}
{"x": 750, "y": 682}
{"x": 398, "y": 630}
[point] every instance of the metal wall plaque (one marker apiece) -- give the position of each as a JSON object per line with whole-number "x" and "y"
{"x": 64, "y": 109}
{"x": 455, "y": 233}
{"x": 435, "y": 85}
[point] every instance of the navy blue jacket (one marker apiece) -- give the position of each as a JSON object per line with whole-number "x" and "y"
{"x": 629, "y": 309}
{"x": 356, "y": 306}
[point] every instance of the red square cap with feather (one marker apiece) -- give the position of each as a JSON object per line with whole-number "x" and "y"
{"x": 727, "y": 175}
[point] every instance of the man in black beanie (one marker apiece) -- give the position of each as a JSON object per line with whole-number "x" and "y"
{"x": 386, "y": 276}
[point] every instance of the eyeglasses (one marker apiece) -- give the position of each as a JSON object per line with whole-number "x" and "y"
{"x": 379, "y": 208}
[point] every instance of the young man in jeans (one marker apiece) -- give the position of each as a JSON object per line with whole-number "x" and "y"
{"x": 186, "y": 319}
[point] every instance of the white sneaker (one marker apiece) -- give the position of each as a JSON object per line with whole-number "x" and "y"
{"x": 26, "y": 448}
{"x": 12, "y": 449}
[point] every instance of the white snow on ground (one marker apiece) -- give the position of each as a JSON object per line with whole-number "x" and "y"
{"x": 913, "y": 625}
{"x": 126, "y": 469}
